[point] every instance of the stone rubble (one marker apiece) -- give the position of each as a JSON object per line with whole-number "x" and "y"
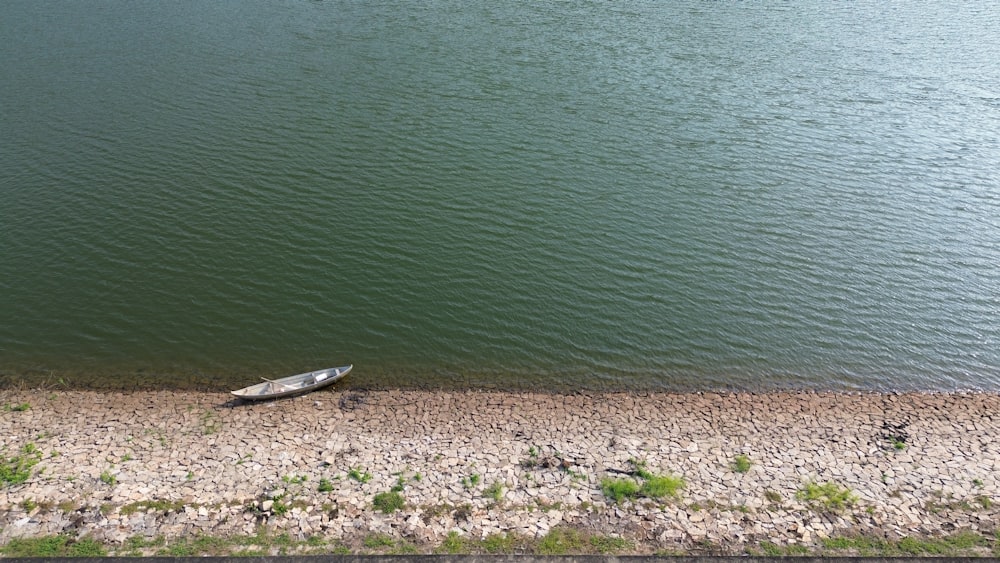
{"x": 178, "y": 464}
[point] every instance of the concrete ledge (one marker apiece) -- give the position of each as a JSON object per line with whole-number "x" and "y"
{"x": 508, "y": 559}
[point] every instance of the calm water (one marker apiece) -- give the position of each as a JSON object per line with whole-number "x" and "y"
{"x": 581, "y": 194}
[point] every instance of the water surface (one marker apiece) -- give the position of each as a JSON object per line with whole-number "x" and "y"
{"x": 570, "y": 195}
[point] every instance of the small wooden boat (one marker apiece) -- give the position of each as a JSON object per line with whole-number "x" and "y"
{"x": 293, "y": 384}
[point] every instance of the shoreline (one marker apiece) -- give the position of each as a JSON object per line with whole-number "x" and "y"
{"x": 141, "y": 471}
{"x": 433, "y": 379}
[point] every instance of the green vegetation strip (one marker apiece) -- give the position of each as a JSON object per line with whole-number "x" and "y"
{"x": 53, "y": 546}
{"x": 963, "y": 543}
{"x": 562, "y": 540}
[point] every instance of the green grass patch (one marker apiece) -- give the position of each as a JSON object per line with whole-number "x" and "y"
{"x": 619, "y": 489}
{"x": 53, "y": 546}
{"x": 384, "y": 543}
{"x": 571, "y": 541}
{"x": 453, "y": 544}
{"x": 325, "y": 486}
{"x": 771, "y": 549}
{"x": 359, "y": 476}
{"x": 134, "y": 546}
{"x": 639, "y": 469}
{"x": 741, "y": 463}
{"x": 400, "y": 485}
{"x": 560, "y": 541}
{"x": 470, "y": 481}
{"x": 264, "y": 540}
{"x": 955, "y": 544}
{"x": 109, "y": 479}
{"x": 496, "y": 544}
{"x": 829, "y": 495}
{"x": 797, "y": 550}
{"x": 861, "y": 545}
{"x": 609, "y": 544}
{"x": 388, "y": 502}
{"x": 960, "y": 544}
{"x": 86, "y": 548}
{"x": 134, "y": 543}
{"x": 16, "y": 469}
{"x": 263, "y": 543}
{"x": 403, "y": 547}
{"x": 198, "y": 546}
{"x": 377, "y": 541}
{"x": 653, "y": 486}
{"x": 17, "y": 408}
{"x": 494, "y": 491}
{"x": 659, "y": 486}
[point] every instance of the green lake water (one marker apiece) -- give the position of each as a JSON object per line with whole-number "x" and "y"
{"x": 556, "y": 195}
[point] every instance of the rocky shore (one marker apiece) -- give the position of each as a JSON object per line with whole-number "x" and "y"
{"x": 425, "y": 471}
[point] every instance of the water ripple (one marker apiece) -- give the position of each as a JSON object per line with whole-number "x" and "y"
{"x": 652, "y": 195}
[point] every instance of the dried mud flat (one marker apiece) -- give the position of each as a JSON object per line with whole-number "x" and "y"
{"x": 788, "y": 471}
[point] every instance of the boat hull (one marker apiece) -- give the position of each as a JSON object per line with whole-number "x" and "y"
{"x": 293, "y": 384}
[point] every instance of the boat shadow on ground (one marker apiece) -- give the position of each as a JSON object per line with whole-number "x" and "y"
{"x": 349, "y": 399}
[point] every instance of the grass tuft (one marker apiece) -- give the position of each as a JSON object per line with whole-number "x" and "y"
{"x": 453, "y": 544}
{"x": 652, "y": 486}
{"x": 829, "y": 495}
{"x": 496, "y": 544}
{"x": 109, "y": 479}
{"x": 560, "y": 541}
{"x": 659, "y": 486}
{"x": 388, "y": 502}
{"x": 16, "y": 470}
{"x": 495, "y": 492}
{"x": 639, "y": 468}
{"x": 375, "y": 541}
{"x": 741, "y": 463}
{"x": 359, "y": 476}
{"x": 619, "y": 489}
